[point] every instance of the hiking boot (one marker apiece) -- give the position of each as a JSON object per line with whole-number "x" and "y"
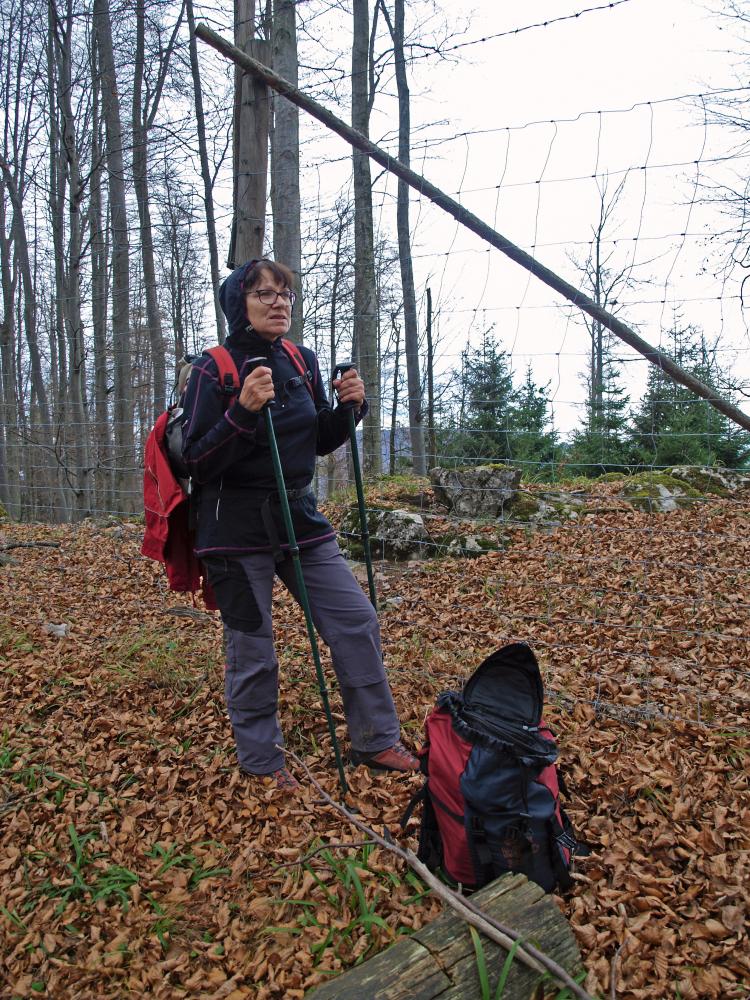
{"x": 285, "y": 781}
{"x": 395, "y": 758}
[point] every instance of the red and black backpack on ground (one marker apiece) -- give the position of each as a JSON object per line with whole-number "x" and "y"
{"x": 491, "y": 802}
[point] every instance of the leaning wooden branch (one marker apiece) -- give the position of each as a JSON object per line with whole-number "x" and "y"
{"x": 462, "y": 215}
{"x": 506, "y": 937}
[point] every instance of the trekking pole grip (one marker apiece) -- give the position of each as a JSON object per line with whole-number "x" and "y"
{"x": 258, "y": 362}
{"x": 341, "y": 369}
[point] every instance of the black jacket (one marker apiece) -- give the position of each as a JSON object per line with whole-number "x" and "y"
{"x": 226, "y": 447}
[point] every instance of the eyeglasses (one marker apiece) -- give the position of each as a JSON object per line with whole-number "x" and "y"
{"x": 269, "y": 297}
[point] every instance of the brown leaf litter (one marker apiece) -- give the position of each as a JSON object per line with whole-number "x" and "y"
{"x": 136, "y": 860}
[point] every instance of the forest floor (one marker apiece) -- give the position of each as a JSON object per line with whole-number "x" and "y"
{"x": 135, "y": 860}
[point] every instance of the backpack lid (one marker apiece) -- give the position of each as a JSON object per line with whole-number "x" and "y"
{"x": 507, "y": 688}
{"x": 501, "y": 707}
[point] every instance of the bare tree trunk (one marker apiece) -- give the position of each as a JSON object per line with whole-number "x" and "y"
{"x": 431, "y": 436}
{"x": 141, "y": 186}
{"x": 337, "y": 269}
{"x": 10, "y": 466}
{"x": 208, "y": 195}
{"x": 251, "y": 116}
{"x": 41, "y": 428}
{"x": 99, "y": 252}
{"x": 394, "y": 406}
{"x": 171, "y": 225}
{"x": 411, "y": 331}
{"x": 365, "y": 324}
{"x": 77, "y": 460}
{"x": 285, "y": 195}
{"x": 125, "y": 480}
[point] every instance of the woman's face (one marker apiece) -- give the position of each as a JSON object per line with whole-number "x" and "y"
{"x": 270, "y": 319}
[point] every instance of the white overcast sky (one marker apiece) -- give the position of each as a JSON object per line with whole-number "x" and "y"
{"x": 609, "y": 60}
{"x": 520, "y": 140}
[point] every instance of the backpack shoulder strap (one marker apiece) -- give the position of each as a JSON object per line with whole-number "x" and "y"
{"x": 229, "y": 378}
{"x": 297, "y": 359}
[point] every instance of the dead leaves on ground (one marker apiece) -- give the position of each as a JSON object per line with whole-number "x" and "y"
{"x": 136, "y": 859}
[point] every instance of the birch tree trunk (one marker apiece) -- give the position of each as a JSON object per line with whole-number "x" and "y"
{"x": 411, "y": 331}
{"x": 285, "y": 194}
{"x": 208, "y": 194}
{"x": 365, "y": 308}
{"x": 125, "y": 481}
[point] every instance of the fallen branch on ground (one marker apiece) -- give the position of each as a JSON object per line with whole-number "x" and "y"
{"x": 29, "y": 545}
{"x": 506, "y": 937}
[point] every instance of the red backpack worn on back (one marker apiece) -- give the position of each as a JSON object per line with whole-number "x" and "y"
{"x": 168, "y": 537}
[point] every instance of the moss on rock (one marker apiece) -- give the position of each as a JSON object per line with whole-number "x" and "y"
{"x": 706, "y": 481}
{"x": 523, "y": 507}
{"x": 658, "y": 491}
{"x": 612, "y": 477}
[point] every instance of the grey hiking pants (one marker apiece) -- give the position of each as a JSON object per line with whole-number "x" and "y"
{"x": 344, "y": 619}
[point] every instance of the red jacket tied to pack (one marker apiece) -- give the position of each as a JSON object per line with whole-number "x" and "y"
{"x": 168, "y": 538}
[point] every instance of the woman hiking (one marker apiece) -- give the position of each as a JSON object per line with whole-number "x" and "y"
{"x": 240, "y": 536}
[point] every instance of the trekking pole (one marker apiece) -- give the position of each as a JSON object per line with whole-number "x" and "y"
{"x": 301, "y": 587}
{"x": 341, "y": 369}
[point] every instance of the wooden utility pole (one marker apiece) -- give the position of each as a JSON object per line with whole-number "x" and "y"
{"x": 251, "y": 104}
{"x": 475, "y": 224}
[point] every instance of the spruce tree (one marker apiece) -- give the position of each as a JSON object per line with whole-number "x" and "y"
{"x": 602, "y": 445}
{"x": 672, "y": 426}
{"x": 493, "y": 421}
{"x": 531, "y": 441}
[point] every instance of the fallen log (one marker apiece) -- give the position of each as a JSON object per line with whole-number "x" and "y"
{"x": 441, "y": 961}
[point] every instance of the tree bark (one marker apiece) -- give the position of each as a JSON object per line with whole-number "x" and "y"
{"x": 10, "y": 492}
{"x": 411, "y": 330}
{"x": 208, "y": 192}
{"x": 102, "y": 441}
{"x": 439, "y": 960}
{"x": 141, "y": 187}
{"x": 431, "y": 435}
{"x": 394, "y": 404}
{"x": 77, "y": 462}
{"x": 285, "y": 193}
{"x": 125, "y": 480}
{"x": 251, "y": 116}
{"x": 41, "y": 428}
{"x": 337, "y": 268}
{"x": 365, "y": 301}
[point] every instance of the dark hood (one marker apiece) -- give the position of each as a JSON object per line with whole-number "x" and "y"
{"x": 232, "y": 299}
